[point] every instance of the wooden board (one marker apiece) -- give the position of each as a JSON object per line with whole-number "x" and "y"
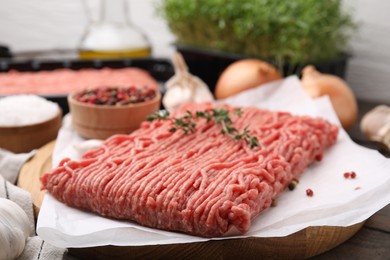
{"x": 31, "y": 171}
{"x": 303, "y": 244}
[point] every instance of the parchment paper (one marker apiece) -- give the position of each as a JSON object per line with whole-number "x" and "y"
{"x": 337, "y": 201}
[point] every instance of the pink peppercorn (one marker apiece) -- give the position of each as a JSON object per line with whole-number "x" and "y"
{"x": 116, "y": 95}
{"x": 309, "y": 192}
{"x": 350, "y": 175}
{"x": 347, "y": 175}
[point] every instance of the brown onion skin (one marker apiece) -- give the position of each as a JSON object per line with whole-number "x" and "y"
{"x": 244, "y": 74}
{"x": 340, "y": 94}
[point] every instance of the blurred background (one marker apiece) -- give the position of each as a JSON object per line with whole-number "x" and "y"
{"x": 110, "y": 43}
{"x": 36, "y": 28}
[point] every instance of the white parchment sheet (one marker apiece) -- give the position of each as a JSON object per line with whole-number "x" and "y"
{"x": 337, "y": 201}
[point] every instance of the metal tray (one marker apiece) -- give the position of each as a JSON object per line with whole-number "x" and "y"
{"x": 160, "y": 69}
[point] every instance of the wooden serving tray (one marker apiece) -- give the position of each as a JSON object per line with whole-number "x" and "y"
{"x": 303, "y": 244}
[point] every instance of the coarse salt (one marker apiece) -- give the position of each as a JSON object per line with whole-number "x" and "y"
{"x": 21, "y": 110}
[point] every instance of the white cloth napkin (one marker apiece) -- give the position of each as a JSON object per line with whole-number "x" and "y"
{"x": 10, "y": 165}
{"x": 36, "y": 248}
{"x": 20, "y": 197}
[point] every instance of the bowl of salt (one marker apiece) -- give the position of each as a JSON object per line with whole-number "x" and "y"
{"x": 28, "y": 122}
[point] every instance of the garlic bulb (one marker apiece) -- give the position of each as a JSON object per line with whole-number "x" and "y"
{"x": 184, "y": 87}
{"x": 375, "y": 124}
{"x": 14, "y": 229}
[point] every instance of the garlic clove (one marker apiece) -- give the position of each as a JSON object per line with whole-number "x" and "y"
{"x": 14, "y": 229}
{"x": 375, "y": 124}
{"x": 385, "y": 131}
{"x": 11, "y": 245}
{"x": 184, "y": 87}
{"x": 176, "y": 96}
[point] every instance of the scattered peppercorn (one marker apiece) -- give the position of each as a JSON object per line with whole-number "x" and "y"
{"x": 309, "y": 192}
{"x": 319, "y": 157}
{"x": 116, "y": 96}
{"x": 293, "y": 184}
{"x": 350, "y": 175}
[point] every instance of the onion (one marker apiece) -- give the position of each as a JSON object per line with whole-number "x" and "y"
{"x": 343, "y": 100}
{"x": 244, "y": 74}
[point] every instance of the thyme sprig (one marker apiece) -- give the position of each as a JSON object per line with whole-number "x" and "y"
{"x": 221, "y": 117}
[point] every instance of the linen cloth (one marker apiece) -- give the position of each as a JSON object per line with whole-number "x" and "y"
{"x": 10, "y": 165}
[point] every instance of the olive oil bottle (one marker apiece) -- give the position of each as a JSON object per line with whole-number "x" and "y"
{"x": 113, "y": 36}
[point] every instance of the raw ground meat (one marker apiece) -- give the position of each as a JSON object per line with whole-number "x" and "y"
{"x": 202, "y": 183}
{"x": 64, "y": 81}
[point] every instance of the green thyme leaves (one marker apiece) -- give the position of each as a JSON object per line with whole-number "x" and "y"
{"x": 187, "y": 123}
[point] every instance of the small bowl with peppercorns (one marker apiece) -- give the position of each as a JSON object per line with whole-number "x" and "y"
{"x": 99, "y": 113}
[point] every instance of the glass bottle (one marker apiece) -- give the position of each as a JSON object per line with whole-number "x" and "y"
{"x": 113, "y": 35}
